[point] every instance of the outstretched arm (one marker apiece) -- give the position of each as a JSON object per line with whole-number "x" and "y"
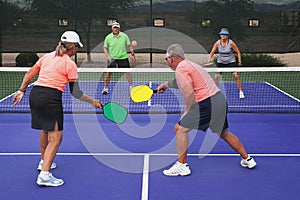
{"x": 212, "y": 52}
{"x": 132, "y": 53}
{"x": 26, "y": 80}
{"x": 170, "y": 84}
{"x": 105, "y": 50}
{"x": 78, "y": 94}
{"x": 237, "y": 51}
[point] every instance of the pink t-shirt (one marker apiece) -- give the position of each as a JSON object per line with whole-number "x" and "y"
{"x": 189, "y": 73}
{"x": 56, "y": 71}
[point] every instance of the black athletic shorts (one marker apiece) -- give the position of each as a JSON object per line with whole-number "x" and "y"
{"x": 124, "y": 63}
{"x": 209, "y": 113}
{"x": 226, "y": 65}
{"x": 46, "y": 108}
{"x": 220, "y": 65}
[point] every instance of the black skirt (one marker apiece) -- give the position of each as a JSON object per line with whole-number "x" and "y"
{"x": 46, "y": 108}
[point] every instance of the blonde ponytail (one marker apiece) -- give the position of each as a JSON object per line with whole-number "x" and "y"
{"x": 63, "y": 47}
{"x": 60, "y": 49}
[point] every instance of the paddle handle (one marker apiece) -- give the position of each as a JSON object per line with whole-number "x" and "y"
{"x": 155, "y": 91}
{"x": 208, "y": 64}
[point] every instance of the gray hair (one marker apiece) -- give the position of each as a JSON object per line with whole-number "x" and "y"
{"x": 176, "y": 51}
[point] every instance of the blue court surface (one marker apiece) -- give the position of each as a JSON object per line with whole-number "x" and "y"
{"x": 101, "y": 160}
{"x": 260, "y": 97}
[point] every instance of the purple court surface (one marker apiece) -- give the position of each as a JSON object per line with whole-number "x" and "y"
{"x": 101, "y": 160}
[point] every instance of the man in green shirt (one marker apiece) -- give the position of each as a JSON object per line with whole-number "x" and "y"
{"x": 114, "y": 48}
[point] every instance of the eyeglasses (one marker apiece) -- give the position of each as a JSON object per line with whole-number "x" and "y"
{"x": 168, "y": 58}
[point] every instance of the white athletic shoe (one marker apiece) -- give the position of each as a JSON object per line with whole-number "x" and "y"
{"x": 178, "y": 169}
{"x": 242, "y": 96}
{"x": 49, "y": 180}
{"x": 40, "y": 166}
{"x": 105, "y": 90}
{"x": 249, "y": 163}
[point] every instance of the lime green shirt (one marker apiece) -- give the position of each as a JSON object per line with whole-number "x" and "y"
{"x": 116, "y": 45}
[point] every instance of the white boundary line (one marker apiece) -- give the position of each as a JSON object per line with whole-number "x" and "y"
{"x": 145, "y": 186}
{"x": 149, "y": 101}
{"x": 273, "y": 86}
{"x": 13, "y": 94}
{"x": 145, "y": 181}
{"x": 148, "y": 155}
{"x": 7, "y": 97}
{"x": 266, "y": 106}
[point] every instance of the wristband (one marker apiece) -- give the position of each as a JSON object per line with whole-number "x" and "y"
{"x": 22, "y": 90}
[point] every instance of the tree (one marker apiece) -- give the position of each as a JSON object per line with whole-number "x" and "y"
{"x": 82, "y": 12}
{"x": 8, "y": 12}
{"x": 226, "y": 13}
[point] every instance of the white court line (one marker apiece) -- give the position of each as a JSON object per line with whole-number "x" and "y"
{"x": 145, "y": 181}
{"x": 145, "y": 187}
{"x": 266, "y": 106}
{"x": 149, "y": 101}
{"x": 7, "y": 97}
{"x": 149, "y": 154}
{"x": 282, "y": 91}
{"x": 13, "y": 94}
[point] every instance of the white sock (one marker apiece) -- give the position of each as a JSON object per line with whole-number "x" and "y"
{"x": 181, "y": 164}
{"x": 247, "y": 158}
{"x": 44, "y": 173}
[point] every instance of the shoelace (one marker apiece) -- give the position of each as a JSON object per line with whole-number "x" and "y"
{"x": 53, "y": 179}
{"x": 175, "y": 169}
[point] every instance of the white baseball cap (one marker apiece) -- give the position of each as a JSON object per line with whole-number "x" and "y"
{"x": 71, "y": 36}
{"x": 115, "y": 25}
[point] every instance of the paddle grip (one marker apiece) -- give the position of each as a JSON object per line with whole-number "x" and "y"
{"x": 155, "y": 91}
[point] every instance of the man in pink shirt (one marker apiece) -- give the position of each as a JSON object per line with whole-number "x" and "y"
{"x": 205, "y": 107}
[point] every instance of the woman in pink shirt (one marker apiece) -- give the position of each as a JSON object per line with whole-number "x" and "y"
{"x": 55, "y": 70}
{"x": 205, "y": 107}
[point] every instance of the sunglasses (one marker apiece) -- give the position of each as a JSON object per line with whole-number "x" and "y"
{"x": 168, "y": 58}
